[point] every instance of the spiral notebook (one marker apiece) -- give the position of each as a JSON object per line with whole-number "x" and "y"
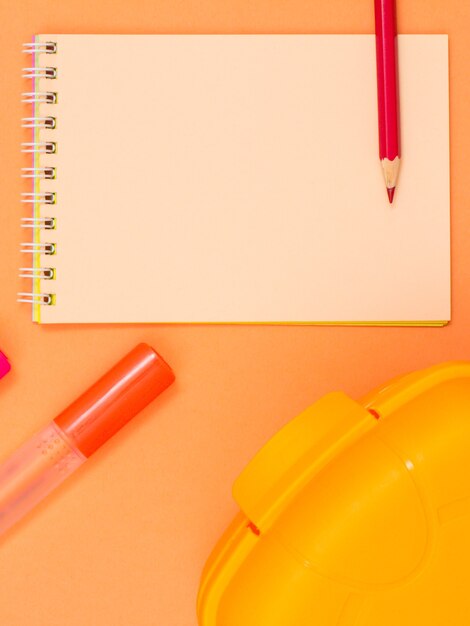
{"x": 233, "y": 178}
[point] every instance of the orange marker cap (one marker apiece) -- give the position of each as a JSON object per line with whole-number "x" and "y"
{"x": 115, "y": 399}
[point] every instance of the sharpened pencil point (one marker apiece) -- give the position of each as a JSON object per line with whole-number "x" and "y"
{"x": 391, "y": 193}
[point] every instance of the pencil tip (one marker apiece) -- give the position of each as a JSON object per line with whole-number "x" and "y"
{"x": 391, "y": 193}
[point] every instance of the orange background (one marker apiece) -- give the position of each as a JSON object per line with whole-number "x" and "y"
{"x": 125, "y": 540}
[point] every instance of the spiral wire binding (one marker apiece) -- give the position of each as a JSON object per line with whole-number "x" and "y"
{"x": 41, "y": 197}
{"x": 38, "y": 172}
{"x": 42, "y": 273}
{"x": 38, "y": 47}
{"x": 34, "y": 247}
{"x": 41, "y": 147}
{"x": 39, "y": 72}
{"x": 47, "y": 223}
{"x": 39, "y": 97}
{"x": 35, "y": 298}
{"x": 37, "y": 198}
{"x": 38, "y": 122}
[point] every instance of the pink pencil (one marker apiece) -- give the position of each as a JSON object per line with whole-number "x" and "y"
{"x": 387, "y": 91}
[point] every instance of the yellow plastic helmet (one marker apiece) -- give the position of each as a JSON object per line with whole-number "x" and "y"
{"x": 354, "y": 514}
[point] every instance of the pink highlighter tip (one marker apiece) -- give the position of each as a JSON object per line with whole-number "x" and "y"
{"x": 391, "y": 193}
{"x": 4, "y": 365}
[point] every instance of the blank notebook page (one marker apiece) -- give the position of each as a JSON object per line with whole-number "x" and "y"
{"x": 236, "y": 178}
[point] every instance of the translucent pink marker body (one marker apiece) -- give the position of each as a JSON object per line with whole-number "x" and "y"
{"x": 50, "y": 456}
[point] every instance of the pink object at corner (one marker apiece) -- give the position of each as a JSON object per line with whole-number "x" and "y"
{"x": 5, "y": 366}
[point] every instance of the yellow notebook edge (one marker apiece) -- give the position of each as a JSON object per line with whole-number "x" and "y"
{"x": 401, "y": 324}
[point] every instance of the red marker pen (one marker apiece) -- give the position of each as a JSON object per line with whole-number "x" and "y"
{"x": 50, "y": 456}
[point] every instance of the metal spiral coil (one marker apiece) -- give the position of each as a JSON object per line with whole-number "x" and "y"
{"x": 39, "y": 97}
{"x": 40, "y": 197}
{"x": 38, "y": 122}
{"x": 42, "y": 147}
{"x": 35, "y": 298}
{"x": 37, "y": 197}
{"x": 38, "y": 47}
{"x": 38, "y": 172}
{"x": 39, "y": 72}
{"x": 45, "y": 223}
{"x": 41, "y": 273}
{"x": 35, "y": 247}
